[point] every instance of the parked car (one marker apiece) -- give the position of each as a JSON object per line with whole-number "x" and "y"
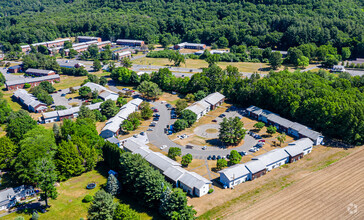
{"x": 244, "y": 152}
{"x": 142, "y": 133}
{"x": 214, "y": 157}
{"x": 155, "y": 110}
{"x": 69, "y": 99}
{"x": 218, "y": 157}
{"x": 222, "y": 115}
{"x": 135, "y": 135}
{"x": 204, "y": 148}
{"x": 63, "y": 95}
{"x": 189, "y": 146}
{"x": 156, "y": 119}
{"x": 209, "y": 157}
{"x": 163, "y": 147}
{"x": 261, "y": 141}
{"x": 156, "y": 115}
{"x": 214, "y": 120}
{"x": 59, "y": 90}
{"x": 252, "y": 150}
{"x": 168, "y": 105}
{"x": 227, "y": 156}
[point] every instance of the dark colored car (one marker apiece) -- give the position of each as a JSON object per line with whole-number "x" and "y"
{"x": 209, "y": 157}
{"x": 214, "y": 157}
{"x": 189, "y": 146}
{"x": 227, "y": 156}
{"x": 156, "y": 115}
{"x": 222, "y": 115}
{"x": 155, "y": 110}
{"x": 156, "y": 119}
{"x": 219, "y": 157}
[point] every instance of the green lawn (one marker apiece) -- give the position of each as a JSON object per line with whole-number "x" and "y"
{"x": 69, "y": 203}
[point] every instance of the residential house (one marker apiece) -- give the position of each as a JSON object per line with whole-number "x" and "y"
{"x": 130, "y": 43}
{"x": 193, "y": 46}
{"x": 103, "y": 92}
{"x": 210, "y": 102}
{"x": 113, "y": 140}
{"x": 194, "y": 184}
{"x": 20, "y": 83}
{"x": 122, "y": 55}
{"x": 39, "y": 72}
{"x": 82, "y": 39}
{"x": 29, "y": 101}
{"x": 280, "y": 123}
{"x": 160, "y": 162}
{"x": 234, "y": 175}
{"x": 296, "y": 150}
{"x": 273, "y": 158}
{"x": 215, "y": 99}
{"x": 254, "y": 112}
{"x": 10, "y": 196}
{"x": 15, "y": 69}
{"x": 256, "y": 169}
{"x": 173, "y": 174}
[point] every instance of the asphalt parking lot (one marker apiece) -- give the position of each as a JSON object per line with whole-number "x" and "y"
{"x": 62, "y": 100}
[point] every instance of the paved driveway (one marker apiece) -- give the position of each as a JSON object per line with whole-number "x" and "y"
{"x": 159, "y": 138}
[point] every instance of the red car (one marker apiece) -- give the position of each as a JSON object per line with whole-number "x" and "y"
{"x": 155, "y": 110}
{"x": 261, "y": 141}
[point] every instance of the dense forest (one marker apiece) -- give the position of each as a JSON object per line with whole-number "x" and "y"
{"x": 278, "y": 24}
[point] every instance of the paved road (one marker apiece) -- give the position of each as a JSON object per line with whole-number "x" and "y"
{"x": 172, "y": 69}
{"x": 355, "y": 72}
{"x": 59, "y": 100}
{"x": 311, "y": 68}
{"x": 159, "y": 138}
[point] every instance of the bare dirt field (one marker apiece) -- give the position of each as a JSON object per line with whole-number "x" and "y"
{"x": 327, "y": 183}
{"x": 336, "y": 192}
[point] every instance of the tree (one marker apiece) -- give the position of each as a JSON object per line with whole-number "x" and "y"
{"x": 281, "y": 138}
{"x": 177, "y": 58}
{"x": 19, "y": 123}
{"x": 146, "y": 111}
{"x": 126, "y": 62}
{"x": 108, "y": 108}
{"x": 103, "y": 81}
{"x": 303, "y": 62}
{"x": 213, "y": 59}
{"x": 127, "y": 126}
{"x": 181, "y": 104}
{"x": 84, "y": 91}
{"x": 43, "y": 49}
{"x": 186, "y": 159}
{"x": 45, "y": 175}
{"x": 19, "y": 218}
{"x": 199, "y": 95}
{"x": 173, "y": 205}
{"x": 93, "y": 50}
{"x": 72, "y": 53}
{"x": 221, "y": 164}
{"x": 330, "y": 61}
{"x": 189, "y": 116}
{"x": 271, "y": 130}
{"x": 124, "y": 212}
{"x": 121, "y": 101}
{"x": 67, "y": 45}
{"x": 151, "y": 47}
{"x": 222, "y": 42}
{"x": 68, "y": 160}
{"x": 149, "y": 89}
{"x": 112, "y": 185}
{"x": 234, "y": 157}
{"x": 102, "y": 207}
{"x": 190, "y": 97}
{"x": 180, "y": 125}
{"x": 7, "y": 152}
{"x": 231, "y": 131}
{"x": 275, "y": 60}
{"x": 259, "y": 125}
{"x": 35, "y": 215}
{"x": 293, "y": 55}
{"x": 346, "y": 53}
{"x": 173, "y": 152}
{"x": 47, "y": 86}
{"x": 96, "y": 65}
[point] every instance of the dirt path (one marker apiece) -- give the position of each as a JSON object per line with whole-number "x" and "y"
{"x": 336, "y": 192}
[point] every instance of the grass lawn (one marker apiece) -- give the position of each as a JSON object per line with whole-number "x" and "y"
{"x": 69, "y": 203}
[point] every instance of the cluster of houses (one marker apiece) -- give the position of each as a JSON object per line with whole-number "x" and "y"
{"x": 9, "y": 197}
{"x": 49, "y": 44}
{"x": 104, "y": 93}
{"x": 261, "y": 164}
{"x": 20, "y": 83}
{"x": 190, "y": 182}
{"x": 29, "y": 101}
{"x": 80, "y": 47}
{"x": 210, "y": 102}
{"x": 39, "y": 72}
{"x": 112, "y": 126}
{"x": 121, "y": 55}
{"x": 59, "y": 115}
{"x": 295, "y": 129}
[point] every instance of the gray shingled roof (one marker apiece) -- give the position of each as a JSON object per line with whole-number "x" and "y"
{"x": 272, "y": 156}
{"x": 113, "y": 140}
{"x": 31, "y": 70}
{"x": 279, "y": 120}
{"x": 174, "y": 173}
{"x": 214, "y": 98}
{"x": 235, "y": 172}
{"x": 254, "y": 109}
{"x": 255, "y": 166}
{"x": 128, "y": 41}
{"x": 193, "y": 180}
{"x": 310, "y": 133}
{"x": 297, "y": 147}
{"x": 160, "y": 161}
{"x": 143, "y": 151}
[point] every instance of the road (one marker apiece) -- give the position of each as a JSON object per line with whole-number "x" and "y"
{"x": 158, "y": 138}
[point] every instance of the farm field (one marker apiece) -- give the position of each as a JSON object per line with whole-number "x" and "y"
{"x": 229, "y": 204}
{"x": 327, "y": 194}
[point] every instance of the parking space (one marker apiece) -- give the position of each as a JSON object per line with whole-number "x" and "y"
{"x": 60, "y": 98}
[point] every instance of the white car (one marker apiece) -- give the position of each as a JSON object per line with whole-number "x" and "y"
{"x": 204, "y": 148}
{"x": 163, "y": 147}
{"x": 252, "y": 150}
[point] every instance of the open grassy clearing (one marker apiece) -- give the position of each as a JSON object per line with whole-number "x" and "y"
{"x": 69, "y": 203}
{"x": 224, "y": 201}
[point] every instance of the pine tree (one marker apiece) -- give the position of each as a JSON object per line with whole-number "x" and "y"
{"x": 102, "y": 207}
{"x": 113, "y": 185}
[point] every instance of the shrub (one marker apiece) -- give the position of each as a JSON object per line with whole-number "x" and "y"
{"x": 87, "y": 199}
{"x": 27, "y": 85}
{"x": 211, "y": 191}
